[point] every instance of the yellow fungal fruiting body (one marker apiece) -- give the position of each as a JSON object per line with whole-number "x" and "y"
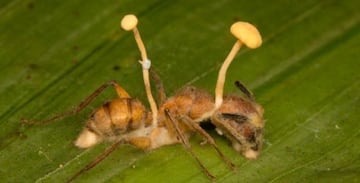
{"x": 247, "y": 34}
{"x": 129, "y": 22}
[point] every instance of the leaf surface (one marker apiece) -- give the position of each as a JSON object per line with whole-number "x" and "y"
{"x": 306, "y": 75}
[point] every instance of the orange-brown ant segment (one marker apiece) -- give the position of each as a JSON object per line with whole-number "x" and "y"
{"x": 190, "y": 101}
{"x": 114, "y": 120}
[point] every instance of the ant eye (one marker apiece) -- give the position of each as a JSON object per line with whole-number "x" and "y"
{"x": 251, "y": 137}
{"x": 92, "y": 116}
{"x": 248, "y": 133}
{"x": 255, "y": 148}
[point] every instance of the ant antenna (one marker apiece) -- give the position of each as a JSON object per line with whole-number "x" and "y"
{"x": 246, "y": 34}
{"x": 129, "y": 23}
{"x": 246, "y": 91}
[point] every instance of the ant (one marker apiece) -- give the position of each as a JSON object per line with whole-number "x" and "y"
{"x": 126, "y": 120}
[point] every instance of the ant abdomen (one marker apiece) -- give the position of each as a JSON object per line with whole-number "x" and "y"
{"x": 114, "y": 120}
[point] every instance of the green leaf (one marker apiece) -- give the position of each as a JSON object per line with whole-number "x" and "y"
{"x": 306, "y": 75}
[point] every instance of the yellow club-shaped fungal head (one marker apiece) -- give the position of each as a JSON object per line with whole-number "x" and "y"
{"x": 247, "y": 34}
{"x": 129, "y": 22}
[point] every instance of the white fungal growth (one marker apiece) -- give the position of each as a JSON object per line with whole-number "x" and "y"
{"x": 146, "y": 64}
{"x": 87, "y": 139}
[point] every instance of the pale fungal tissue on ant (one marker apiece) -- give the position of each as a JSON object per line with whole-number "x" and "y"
{"x": 173, "y": 120}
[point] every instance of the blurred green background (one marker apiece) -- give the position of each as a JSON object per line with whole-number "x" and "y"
{"x": 53, "y": 54}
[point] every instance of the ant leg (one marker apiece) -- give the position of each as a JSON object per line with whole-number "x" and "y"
{"x": 186, "y": 143}
{"x": 243, "y": 89}
{"x": 96, "y": 161}
{"x": 219, "y": 123}
{"x": 119, "y": 90}
{"x": 159, "y": 86}
{"x": 192, "y": 124}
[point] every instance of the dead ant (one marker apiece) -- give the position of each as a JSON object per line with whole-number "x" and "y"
{"x": 239, "y": 119}
{"x": 126, "y": 120}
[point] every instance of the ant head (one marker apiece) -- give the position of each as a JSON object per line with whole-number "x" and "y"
{"x": 241, "y": 121}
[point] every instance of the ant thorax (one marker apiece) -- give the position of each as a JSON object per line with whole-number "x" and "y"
{"x": 190, "y": 101}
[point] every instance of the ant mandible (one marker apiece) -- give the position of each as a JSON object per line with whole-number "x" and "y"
{"x": 126, "y": 120}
